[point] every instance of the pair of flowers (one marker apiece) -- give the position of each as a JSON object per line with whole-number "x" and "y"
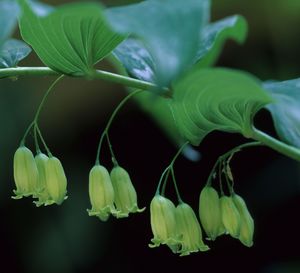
{"x": 111, "y": 193}
{"x": 41, "y": 177}
{"x": 225, "y": 215}
{"x": 177, "y": 227}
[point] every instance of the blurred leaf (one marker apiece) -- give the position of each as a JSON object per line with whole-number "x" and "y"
{"x": 170, "y": 30}
{"x": 216, "y": 99}
{"x": 285, "y": 110}
{"x": 136, "y": 59}
{"x": 13, "y": 51}
{"x": 9, "y": 11}
{"x": 70, "y": 39}
{"x": 214, "y": 36}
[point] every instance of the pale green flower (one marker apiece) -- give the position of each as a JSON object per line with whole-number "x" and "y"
{"x": 125, "y": 194}
{"x": 163, "y": 223}
{"x": 210, "y": 212}
{"x": 247, "y": 223}
{"x": 230, "y": 216}
{"x": 189, "y": 229}
{"x": 25, "y": 173}
{"x": 56, "y": 181}
{"x": 101, "y": 193}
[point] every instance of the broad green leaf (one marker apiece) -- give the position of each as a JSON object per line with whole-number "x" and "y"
{"x": 214, "y": 36}
{"x": 9, "y": 11}
{"x": 138, "y": 62}
{"x": 13, "y": 51}
{"x": 216, "y": 99}
{"x": 169, "y": 30}
{"x": 71, "y": 39}
{"x": 285, "y": 110}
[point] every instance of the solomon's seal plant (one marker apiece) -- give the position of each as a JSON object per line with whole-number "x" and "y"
{"x": 167, "y": 66}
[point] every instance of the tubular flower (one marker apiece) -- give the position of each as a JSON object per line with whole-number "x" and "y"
{"x": 230, "y": 216}
{"x": 163, "y": 223}
{"x": 210, "y": 212}
{"x": 42, "y": 193}
{"x": 25, "y": 173}
{"x": 101, "y": 193}
{"x": 247, "y": 223}
{"x": 190, "y": 230}
{"x": 56, "y": 181}
{"x": 125, "y": 194}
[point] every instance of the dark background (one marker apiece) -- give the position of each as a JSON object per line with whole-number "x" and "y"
{"x": 64, "y": 239}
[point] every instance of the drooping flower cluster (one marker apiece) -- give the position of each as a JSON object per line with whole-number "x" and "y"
{"x": 111, "y": 193}
{"x": 177, "y": 227}
{"x": 227, "y": 214}
{"x": 41, "y": 177}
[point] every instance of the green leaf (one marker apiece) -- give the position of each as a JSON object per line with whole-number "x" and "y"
{"x": 13, "y": 51}
{"x": 216, "y": 99}
{"x": 214, "y": 36}
{"x": 9, "y": 11}
{"x": 136, "y": 59}
{"x": 169, "y": 30}
{"x": 285, "y": 110}
{"x": 139, "y": 63}
{"x": 71, "y": 39}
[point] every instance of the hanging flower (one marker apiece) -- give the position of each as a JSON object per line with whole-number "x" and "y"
{"x": 189, "y": 229}
{"x": 247, "y": 223}
{"x": 210, "y": 212}
{"x": 101, "y": 193}
{"x": 25, "y": 173}
{"x": 163, "y": 223}
{"x": 230, "y": 216}
{"x": 125, "y": 194}
{"x": 56, "y": 181}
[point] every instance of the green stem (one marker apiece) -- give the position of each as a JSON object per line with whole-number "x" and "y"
{"x": 43, "y": 141}
{"x": 98, "y": 74}
{"x": 176, "y": 187}
{"x": 170, "y": 166}
{"x": 105, "y": 132}
{"x": 276, "y": 145}
{"x": 114, "y": 160}
{"x": 45, "y": 97}
{"x": 22, "y": 143}
{"x": 37, "y": 147}
{"x": 226, "y": 155}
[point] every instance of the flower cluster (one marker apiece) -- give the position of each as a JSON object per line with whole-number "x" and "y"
{"x": 177, "y": 227}
{"x": 111, "y": 193}
{"x": 227, "y": 214}
{"x": 41, "y": 177}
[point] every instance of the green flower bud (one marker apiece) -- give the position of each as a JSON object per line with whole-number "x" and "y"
{"x": 247, "y": 223}
{"x": 189, "y": 228}
{"x": 101, "y": 193}
{"x": 125, "y": 194}
{"x": 25, "y": 173}
{"x": 230, "y": 216}
{"x": 56, "y": 181}
{"x": 163, "y": 223}
{"x": 42, "y": 193}
{"x": 210, "y": 212}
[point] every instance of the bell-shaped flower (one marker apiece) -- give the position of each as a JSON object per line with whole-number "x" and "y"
{"x": 125, "y": 194}
{"x": 42, "y": 193}
{"x": 163, "y": 223}
{"x": 101, "y": 193}
{"x": 56, "y": 181}
{"x": 25, "y": 173}
{"x": 230, "y": 216}
{"x": 189, "y": 229}
{"x": 210, "y": 212}
{"x": 247, "y": 223}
